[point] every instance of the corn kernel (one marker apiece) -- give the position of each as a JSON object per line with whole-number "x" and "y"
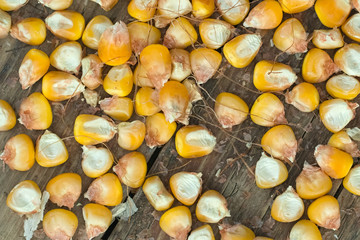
{"x": 158, "y": 130}
{"x": 56, "y": 4}
{"x": 273, "y": 76}
{"x": 176, "y": 222}
{"x": 5, "y": 24}
{"x": 94, "y": 29}
{"x": 96, "y": 161}
{"x": 343, "y": 86}
{"x": 31, "y": 31}
{"x": 91, "y": 129}
{"x": 25, "y": 198}
{"x": 105, "y": 190}
{"x": 142, "y": 35}
{"x": 214, "y": 33}
{"x": 203, "y": 8}
{"x": 312, "y": 182}
{"x": 266, "y": 15}
{"x": 114, "y": 46}
{"x": 180, "y": 34}
{"x": 230, "y": 109}
{"x": 296, "y": 6}
{"x": 119, "y": 81}
{"x": 303, "y": 230}
{"x": 332, "y": 13}
{"x": 328, "y": 39}
{"x": 91, "y": 71}
{"x": 35, "y": 112}
{"x": 236, "y": 232}
{"x": 107, "y": 5}
{"x": 131, "y": 169}
{"x": 241, "y": 50}
{"x": 233, "y": 11}
{"x": 140, "y": 77}
{"x": 193, "y": 89}
{"x": 204, "y": 232}
{"x": 60, "y": 224}
{"x": 67, "y": 57}
{"x": 156, "y": 194}
{"x": 186, "y": 186}
{"x": 91, "y": 97}
{"x": 351, "y": 180}
{"x": 50, "y": 150}
{"x": 146, "y": 103}
{"x": 97, "y": 219}
{"x": 204, "y": 63}
{"x": 11, "y": 5}
{"x": 342, "y": 141}
{"x": 347, "y": 59}
{"x": 173, "y": 9}
{"x": 325, "y": 212}
{"x": 180, "y": 62}
{"x": 211, "y": 207}
{"x": 119, "y": 108}
{"x": 142, "y": 10}
{"x": 131, "y": 134}
{"x": 7, "y": 116}
{"x": 304, "y": 97}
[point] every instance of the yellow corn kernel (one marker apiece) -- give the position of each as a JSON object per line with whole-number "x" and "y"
{"x": 335, "y": 114}
{"x": 107, "y": 5}
{"x": 268, "y": 111}
{"x": 64, "y": 189}
{"x": 156, "y": 194}
{"x": 230, "y": 109}
{"x": 304, "y": 97}
{"x": 56, "y": 4}
{"x": 140, "y": 77}
{"x": 10, "y": 5}
{"x": 204, "y": 63}
{"x": 347, "y": 59}
{"x": 241, "y": 50}
{"x": 332, "y": 13}
{"x": 131, "y": 134}
{"x": 91, "y": 71}
{"x": 273, "y": 76}
{"x": 296, "y": 6}
{"x": 96, "y": 161}
{"x": 343, "y": 86}
{"x": 131, "y": 169}
{"x": 119, "y": 81}
{"x": 351, "y": 180}
{"x": 186, "y": 186}
{"x": 146, "y": 103}
{"x": 325, "y": 212}
{"x": 158, "y": 130}
{"x": 204, "y": 232}
{"x": 342, "y": 141}
{"x": 60, "y": 224}
{"x": 236, "y": 232}
{"x": 7, "y": 116}
{"x": 59, "y": 86}
{"x": 114, "y": 46}
{"x": 31, "y": 31}
{"x": 156, "y": 60}
{"x": 288, "y": 206}
{"x": 176, "y": 222}
{"x": 317, "y": 66}
{"x": 214, "y": 33}
{"x": 333, "y": 162}
{"x": 5, "y": 23}
{"x": 180, "y": 34}
{"x": 67, "y": 57}
{"x": 290, "y": 37}
{"x": 97, "y": 219}
{"x": 194, "y": 141}
{"x": 91, "y": 129}
{"x": 142, "y": 35}
{"x": 35, "y": 112}
{"x": 203, "y": 8}
{"x": 94, "y": 29}
{"x": 142, "y": 10}
{"x": 280, "y": 142}
{"x": 25, "y": 198}
{"x": 312, "y": 182}
{"x": 233, "y": 11}
{"x": 356, "y": 4}
{"x": 211, "y": 207}
{"x": 266, "y": 15}
{"x": 173, "y": 9}
{"x": 180, "y": 62}
{"x": 328, "y": 38}
{"x": 263, "y": 238}
{"x": 303, "y": 230}
{"x": 105, "y": 190}
{"x": 50, "y": 150}
{"x": 119, "y": 108}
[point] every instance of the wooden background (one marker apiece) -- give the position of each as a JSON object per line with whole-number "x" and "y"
{"x": 248, "y": 204}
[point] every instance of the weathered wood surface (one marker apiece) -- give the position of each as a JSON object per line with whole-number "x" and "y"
{"x": 247, "y": 203}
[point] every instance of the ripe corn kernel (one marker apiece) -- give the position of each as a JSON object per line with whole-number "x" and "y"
{"x": 105, "y": 190}
{"x": 233, "y": 11}
{"x": 236, "y": 232}
{"x": 59, "y": 86}
{"x": 312, "y": 182}
{"x": 67, "y": 57}
{"x": 347, "y": 59}
{"x": 7, "y": 116}
{"x": 114, "y": 46}
{"x": 343, "y": 86}
{"x": 10, "y": 5}
{"x": 342, "y": 141}
{"x": 142, "y": 35}
{"x": 35, "y": 112}
{"x": 156, "y": 61}
{"x": 97, "y": 219}
{"x": 211, "y": 207}
{"x": 291, "y": 37}
{"x": 333, "y": 161}
{"x": 273, "y": 76}
{"x": 60, "y": 224}
{"x": 64, "y": 189}
{"x": 91, "y": 71}
{"x": 31, "y": 31}
{"x": 296, "y": 6}
{"x": 266, "y": 15}
{"x": 94, "y": 29}
{"x": 131, "y": 169}
{"x": 96, "y": 161}
{"x": 119, "y": 108}
{"x": 332, "y": 13}
{"x": 180, "y": 64}
{"x": 325, "y": 212}
{"x": 230, "y": 109}
{"x": 131, "y": 134}
{"x": 119, "y": 81}
{"x": 186, "y": 186}
{"x": 350, "y": 27}
{"x": 304, "y": 97}
{"x": 180, "y": 34}
{"x": 328, "y": 38}
{"x": 351, "y": 182}
{"x": 107, "y": 5}
{"x": 176, "y": 222}
{"x": 143, "y": 11}
{"x": 5, "y": 24}
{"x": 270, "y": 172}
{"x": 24, "y": 198}
{"x": 203, "y": 8}
{"x": 204, "y": 232}
{"x": 318, "y": 66}
{"x": 91, "y": 129}
{"x": 156, "y": 194}
{"x": 158, "y": 130}
{"x": 305, "y": 229}
{"x": 140, "y": 77}
{"x": 173, "y": 9}
{"x": 204, "y": 63}
{"x": 335, "y": 114}
{"x": 50, "y": 150}
{"x": 56, "y": 4}
{"x": 146, "y": 102}
{"x": 214, "y": 33}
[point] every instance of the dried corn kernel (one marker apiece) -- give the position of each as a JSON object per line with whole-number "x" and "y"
{"x": 325, "y": 212}
{"x": 176, "y": 222}
{"x": 342, "y": 141}
{"x": 11, "y": 5}
{"x": 107, "y": 5}
{"x": 142, "y": 35}
{"x": 303, "y": 230}
{"x": 351, "y": 181}
{"x": 204, "y": 232}
{"x": 140, "y": 77}
{"x": 214, "y": 33}
{"x": 94, "y": 29}
{"x": 7, "y": 116}
{"x": 180, "y": 34}
{"x": 146, "y": 103}
{"x": 296, "y": 6}
{"x": 304, "y": 97}
{"x": 31, "y": 31}
{"x": 350, "y": 27}
{"x": 332, "y": 13}
{"x": 96, "y": 161}
{"x": 60, "y": 224}
{"x": 158, "y": 130}
{"x": 204, "y": 63}
{"x": 157, "y": 194}
{"x": 5, "y": 24}
{"x": 230, "y": 109}
{"x": 180, "y": 62}
{"x": 211, "y": 207}
{"x": 233, "y": 11}
{"x": 203, "y": 8}
{"x": 119, "y": 81}
{"x": 328, "y": 38}
{"x": 67, "y": 57}
{"x": 266, "y": 15}
{"x": 119, "y": 108}
{"x": 56, "y": 4}
{"x": 131, "y": 134}
{"x": 236, "y": 232}
{"x": 24, "y": 198}
{"x": 288, "y": 206}
{"x": 347, "y": 59}
{"x": 91, "y": 71}
{"x": 173, "y": 9}
{"x": 97, "y": 219}
{"x": 186, "y": 186}
{"x": 142, "y": 10}
{"x": 343, "y": 86}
